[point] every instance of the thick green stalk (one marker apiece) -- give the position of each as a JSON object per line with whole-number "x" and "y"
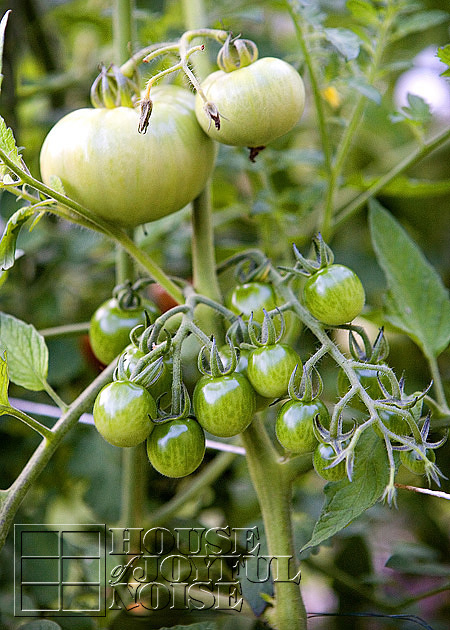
{"x": 203, "y": 253}
{"x": 274, "y": 489}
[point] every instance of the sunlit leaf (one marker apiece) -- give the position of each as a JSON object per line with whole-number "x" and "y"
{"x": 8, "y": 241}
{"x": 26, "y": 350}
{"x": 2, "y": 39}
{"x": 417, "y": 301}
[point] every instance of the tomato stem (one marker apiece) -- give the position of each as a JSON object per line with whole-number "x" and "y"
{"x": 274, "y": 490}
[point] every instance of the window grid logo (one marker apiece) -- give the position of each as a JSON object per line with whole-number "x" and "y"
{"x": 60, "y": 570}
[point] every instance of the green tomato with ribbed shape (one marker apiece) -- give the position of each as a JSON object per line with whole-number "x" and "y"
{"x": 125, "y": 177}
{"x": 176, "y": 448}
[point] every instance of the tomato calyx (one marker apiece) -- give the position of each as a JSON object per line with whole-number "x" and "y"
{"x": 113, "y": 89}
{"x": 236, "y": 53}
{"x": 268, "y": 334}
{"x": 213, "y": 365}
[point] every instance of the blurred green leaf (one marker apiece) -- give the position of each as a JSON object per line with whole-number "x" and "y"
{"x": 365, "y": 89}
{"x": 27, "y": 352}
{"x": 203, "y": 625}
{"x": 403, "y": 186}
{"x": 346, "y": 500}
{"x": 417, "y": 559}
{"x": 418, "y": 22}
{"x": 363, "y": 11}
{"x": 344, "y": 40}
{"x": 417, "y": 302}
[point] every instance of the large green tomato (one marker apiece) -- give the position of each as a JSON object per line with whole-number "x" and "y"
{"x": 123, "y": 176}
{"x": 257, "y": 103}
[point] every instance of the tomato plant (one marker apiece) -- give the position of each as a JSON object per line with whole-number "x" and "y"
{"x": 123, "y": 413}
{"x": 125, "y": 177}
{"x": 334, "y": 295}
{"x": 176, "y": 448}
{"x": 121, "y": 172}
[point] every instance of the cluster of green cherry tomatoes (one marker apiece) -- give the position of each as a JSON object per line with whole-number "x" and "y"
{"x": 255, "y": 368}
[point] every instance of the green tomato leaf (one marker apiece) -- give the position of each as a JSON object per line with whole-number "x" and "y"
{"x": 345, "y": 41}
{"x": 346, "y": 500}
{"x": 8, "y": 145}
{"x": 444, "y": 55}
{"x": 417, "y": 112}
{"x": 2, "y": 39}
{"x": 364, "y": 12}
{"x": 420, "y": 21}
{"x": 365, "y": 89}
{"x": 417, "y": 302}
{"x": 27, "y": 352}
{"x": 8, "y": 241}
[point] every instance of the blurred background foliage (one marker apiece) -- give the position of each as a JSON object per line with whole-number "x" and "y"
{"x": 52, "y": 53}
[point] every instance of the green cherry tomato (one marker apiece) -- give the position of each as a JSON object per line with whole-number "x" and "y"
{"x": 163, "y": 384}
{"x": 176, "y": 448}
{"x": 123, "y": 413}
{"x": 323, "y": 456}
{"x": 368, "y": 379}
{"x": 110, "y": 327}
{"x": 252, "y": 297}
{"x": 334, "y": 295}
{"x": 392, "y": 421}
{"x": 224, "y": 405}
{"x": 126, "y": 177}
{"x": 270, "y": 368}
{"x": 414, "y": 463}
{"x": 225, "y": 355}
{"x": 256, "y": 103}
{"x": 294, "y": 426}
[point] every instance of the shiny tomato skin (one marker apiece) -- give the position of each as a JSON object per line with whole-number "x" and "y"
{"x": 241, "y": 367}
{"x": 414, "y": 463}
{"x": 176, "y": 448}
{"x": 257, "y": 103}
{"x": 294, "y": 426}
{"x": 123, "y": 413}
{"x": 252, "y": 297}
{"x": 110, "y": 327}
{"x": 323, "y": 456}
{"x": 126, "y": 177}
{"x": 334, "y": 295}
{"x": 224, "y": 405}
{"x": 270, "y": 367}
